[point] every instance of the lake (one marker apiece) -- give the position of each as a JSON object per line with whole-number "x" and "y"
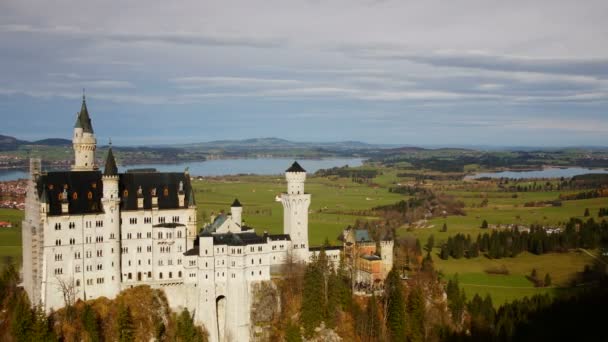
{"x": 261, "y": 166}
{"x": 550, "y": 172}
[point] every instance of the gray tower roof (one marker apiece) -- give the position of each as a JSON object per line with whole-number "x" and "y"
{"x": 84, "y": 120}
{"x": 295, "y": 167}
{"x": 111, "y": 169}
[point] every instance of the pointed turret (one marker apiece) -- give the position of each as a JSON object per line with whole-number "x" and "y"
{"x": 84, "y": 141}
{"x": 295, "y": 167}
{"x": 191, "y": 201}
{"x": 84, "y": 120}
{"x": 111, "y": 169}
{"x": 236, "y": 203}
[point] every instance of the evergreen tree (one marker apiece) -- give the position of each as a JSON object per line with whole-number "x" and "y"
{"x": 418, "y": 249}
{"x": 444, "y": 252}
{"x": 22, "y": 319}
{"x": 372, "y": 323}
{"x": 415, "y": 311}
{"x": 586, "y": 212}
{"x": 430, "y": 243}
{"x": 313, "y": 301}
{"x": 125, "y": 324}
{"x": 484, "y": 224}
{"x": 90, "y": 323}
{"x": 444, "y": 228}
{"x": 292, "y": 333}
{"x": 456, "y": 299}
{"x": 547, "y": 280}
{"x": 186, "y": 330}
{"x": 395, "y": 303}
{"x": 41, "y": 329}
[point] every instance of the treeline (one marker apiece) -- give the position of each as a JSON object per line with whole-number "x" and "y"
{"x": 426, "y": 203}
{"x": 137, "y": 314}
{"x": 510, "y": 243}
{"x": 539, "y": 318}
{"x": 584, "y": 195}
{"x": 356, "y": 175}
{"x": 435, "y": 177}
{"x": 406, "y": 190}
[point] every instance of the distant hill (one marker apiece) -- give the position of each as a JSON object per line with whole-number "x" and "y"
{"x": 53, "y": 142}
{"x": 278, "y": 144}
{"x": 8, "y": 143}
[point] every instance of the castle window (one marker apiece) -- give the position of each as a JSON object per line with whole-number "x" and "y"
{"x": 57, "y": 242}
{"x": 131, "y": 276}
{"x": 125, "y": 193}
{"x": 149, "y": 274}
{"x": 74, "y": 195}
{"x": 179, "y": 274}
{"x": 77, "y": 282}
{"x": 90, "y": 195}
{"x": 160, "y": 275}
{"x": 166, "y": 192}
{"x": 170, "y": 275}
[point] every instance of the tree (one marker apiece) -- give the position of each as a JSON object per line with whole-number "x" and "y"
{"x": 415, "y": 311}
{"x": 430, "y": 243}
{"x": 292, "y": 333}
{"x": 547, "y": 280}
{"x": 372, "y": 322}
{"x": 395, "y": 307}
{"x": 444, "y": 252}
{"x": 186, "y": 330}
{"x": 90, "y": 322}
{"x": 125, "y": 324}
{"x": 313, "y": 301}
{"x": 456, "y": 299}
{"x": 484, "y": 224}
{"x": 444, "y": 228}
{"x": 22, "y": 319}
{"x": 586, "y": 212}
{"x": 533, "y": 274}
{"x": 41, "y": 328}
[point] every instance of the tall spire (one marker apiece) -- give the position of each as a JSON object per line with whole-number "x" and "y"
{"x": 111, "y": 169}
{"x": 84, "y": 121}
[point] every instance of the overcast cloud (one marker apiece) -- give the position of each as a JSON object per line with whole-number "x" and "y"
{"x": 402, "y": 72}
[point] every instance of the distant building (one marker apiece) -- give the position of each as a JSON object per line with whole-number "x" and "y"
{"x": 370, "y": 265}
{"x": 101, "y": 232}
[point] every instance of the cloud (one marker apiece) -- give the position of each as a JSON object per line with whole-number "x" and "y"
{"x": 198, "y": 81}
{"x": 174, "y": 37}
{"x": 494, "y": 62}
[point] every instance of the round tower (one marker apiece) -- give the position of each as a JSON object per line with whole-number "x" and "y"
{"x": 111, "y": 208}
{"x": 84, "y": 141}
{"x": 295, "y": 211}
{"x": 236, "y": 211}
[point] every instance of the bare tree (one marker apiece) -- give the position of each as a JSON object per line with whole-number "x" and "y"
{"x": 70, "y": 291}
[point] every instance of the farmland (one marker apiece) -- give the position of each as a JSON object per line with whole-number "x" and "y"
{"x": 339, "y": 201}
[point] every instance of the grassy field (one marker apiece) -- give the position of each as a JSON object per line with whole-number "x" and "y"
{"x": 334, "y": 202}
{"x": 10, "y": 238}
{"x": 503, "y": 288}
{"x": 339, "y": 202}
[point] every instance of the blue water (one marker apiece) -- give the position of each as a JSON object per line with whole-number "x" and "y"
{"x": 262, "y": 166}
{"x": 550, "y": 172}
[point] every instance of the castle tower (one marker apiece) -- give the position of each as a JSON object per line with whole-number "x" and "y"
{"x": 84, "y": 141}
{"x": 236, "y": 211}
{"x": 295, "y": 211}
{"x": 110, "y": 202}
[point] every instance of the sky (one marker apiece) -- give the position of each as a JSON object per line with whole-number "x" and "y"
{"x": 419, "y": 73}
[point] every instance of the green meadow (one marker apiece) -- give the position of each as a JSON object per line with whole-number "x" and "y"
{"x": 10, "y": 238}
{"x": 339, "y": 202}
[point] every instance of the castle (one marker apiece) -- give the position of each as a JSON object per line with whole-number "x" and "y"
{"x": 95, "y": 233}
